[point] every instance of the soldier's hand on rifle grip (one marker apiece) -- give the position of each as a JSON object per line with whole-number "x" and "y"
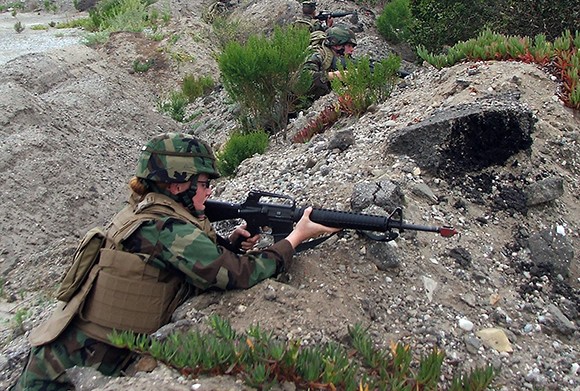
{"x": 244, "y": 238}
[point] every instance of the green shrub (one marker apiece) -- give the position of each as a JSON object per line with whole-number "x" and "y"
{"x": 562, "y": 54}
{"x": 194, "y": 87}
{"x": 440, "y": 23}
{"x": 365, "y": 83}
{"x": 239, "y": 147}
{"x": 119, "y": 15}
{"x": 19, "y": 27}
{"x": 175, "y": 106}
{"x": 50, "y": 6}
{"x": 534, "y": 17}
{"x": 84, "y": 23}
{"x": 20, "y": 316}
{"x": 142, "y": 66}
{"x": 17, "y": 5}
{"x": 229, "y": 30}
{"x": 259, "y": 76}
{"x": 395, "y": 23}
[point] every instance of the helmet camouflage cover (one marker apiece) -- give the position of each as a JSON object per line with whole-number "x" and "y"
{"x": 339, "y": 35}
{"x": 175, "y": 157}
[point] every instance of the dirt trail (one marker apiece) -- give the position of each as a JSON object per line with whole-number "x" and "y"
{"x": 14, "y": 44}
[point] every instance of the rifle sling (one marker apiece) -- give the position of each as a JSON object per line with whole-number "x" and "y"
{"x": 312, "y": 243}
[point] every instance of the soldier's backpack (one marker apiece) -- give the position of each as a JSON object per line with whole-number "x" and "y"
{"x": 316, "y": 43}
{"x": 85, "y": 256}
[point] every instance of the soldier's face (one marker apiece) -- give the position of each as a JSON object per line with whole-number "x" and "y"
{"x": 348, "y": 49}
{"x": 202, "y": 193}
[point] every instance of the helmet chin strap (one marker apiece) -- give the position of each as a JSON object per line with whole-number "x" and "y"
{"x": 185, "y": 197}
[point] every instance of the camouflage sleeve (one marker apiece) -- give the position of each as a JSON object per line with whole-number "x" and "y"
{"x": 320, "y": 83}
{"x": 183, "y": 246}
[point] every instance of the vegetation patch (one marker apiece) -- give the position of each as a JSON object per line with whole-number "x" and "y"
{"x": 562, "y": 55}
{"x": 264, "y": 361}
{"x": 239, "y": 147}
{"x": 259, "y": 75}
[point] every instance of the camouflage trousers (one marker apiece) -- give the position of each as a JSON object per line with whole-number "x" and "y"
{"x": 47, "y": 364}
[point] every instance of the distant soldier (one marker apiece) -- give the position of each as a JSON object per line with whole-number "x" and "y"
{"x": 158, "y": 250}
{"x": 323, "y": 64}
{"x": 309, "y": 18}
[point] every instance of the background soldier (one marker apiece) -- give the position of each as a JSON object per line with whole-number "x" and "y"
{"x": 323, "y": 64}
{"x": 309, "y": 18}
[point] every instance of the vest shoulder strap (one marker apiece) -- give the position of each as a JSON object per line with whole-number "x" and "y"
{"x": 153, "y": 206}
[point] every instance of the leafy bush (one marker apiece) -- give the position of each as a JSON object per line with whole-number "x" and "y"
{"x": 239, "y": 147}
{"x": 533, "y": 17}
{"x": 194, "y": 87}
{"x": 119, "y": 15}
{"x": 112, "y": 14}
{"x": 19, "y": 27}
{"x": 395, "y": 23}
{"x": 259, "y": 76}
{"x": 17, "y": 5}
{"x": 440, "y": 23}
{"x": 363, "y": 83}
{"x": 229, "y": 30}
{"x": 83, "y": 23}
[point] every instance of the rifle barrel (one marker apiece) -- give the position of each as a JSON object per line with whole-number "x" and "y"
{"x": 364, "y": 222}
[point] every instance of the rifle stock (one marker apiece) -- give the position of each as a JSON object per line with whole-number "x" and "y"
{"x": 280, "y": 218}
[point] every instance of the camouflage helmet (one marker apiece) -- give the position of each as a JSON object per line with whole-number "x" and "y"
{"x": 175, "y": 157}
{"x": 339, "y": 35}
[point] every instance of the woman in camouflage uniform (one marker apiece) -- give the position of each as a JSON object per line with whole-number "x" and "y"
{"x": 157, "y": 249}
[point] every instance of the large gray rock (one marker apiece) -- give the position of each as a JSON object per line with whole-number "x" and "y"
{"x": 467, "y": 137}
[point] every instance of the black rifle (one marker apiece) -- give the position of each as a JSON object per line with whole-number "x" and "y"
{"x": 280, "y": 219}
{"x": 325, "y": 15}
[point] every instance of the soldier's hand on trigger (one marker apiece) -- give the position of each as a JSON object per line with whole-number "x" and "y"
{"x": 249, "y": 242}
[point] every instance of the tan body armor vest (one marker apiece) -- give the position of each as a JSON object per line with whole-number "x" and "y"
{"x": 122, "y": 291}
